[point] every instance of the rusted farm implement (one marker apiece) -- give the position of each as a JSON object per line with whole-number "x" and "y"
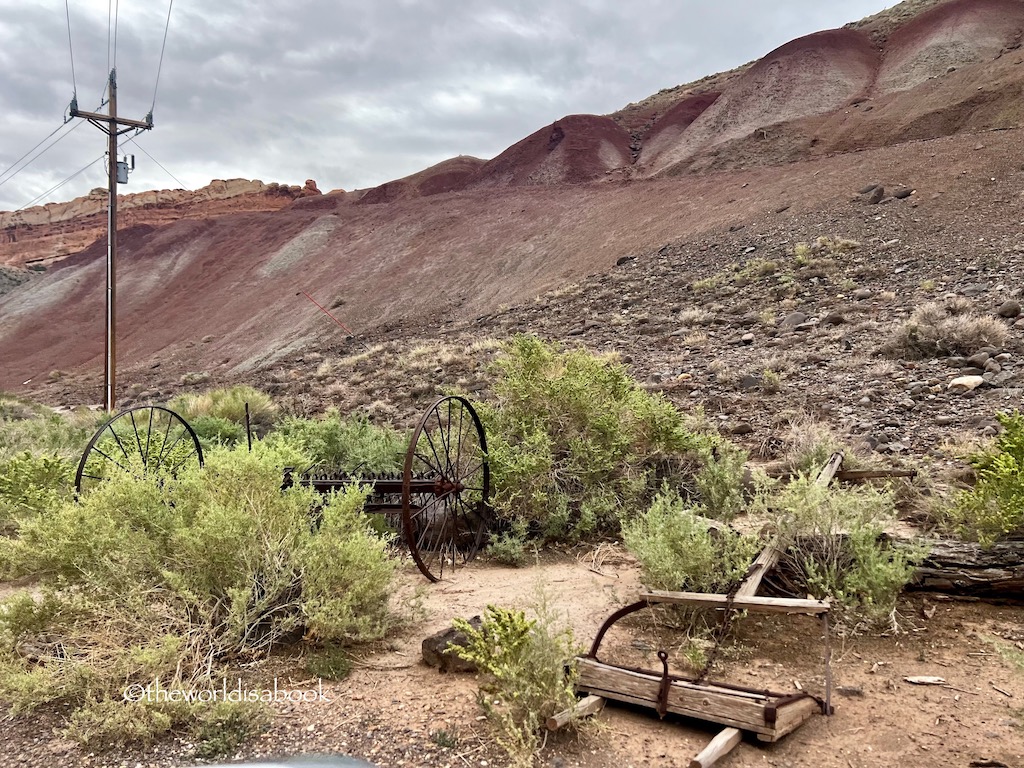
{"x": 440, "y": 500}
{"x": 766, "y": 714}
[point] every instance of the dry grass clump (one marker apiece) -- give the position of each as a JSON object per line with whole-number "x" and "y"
{"x": 809, "y": 443}
{"x": 951, "y": 327}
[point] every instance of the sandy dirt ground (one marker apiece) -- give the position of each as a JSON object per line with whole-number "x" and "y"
{"x": 395, "y": 710}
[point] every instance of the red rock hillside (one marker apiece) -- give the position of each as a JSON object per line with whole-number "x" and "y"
{"x": 212, "y": 281}
{"x": 50, "y": 232}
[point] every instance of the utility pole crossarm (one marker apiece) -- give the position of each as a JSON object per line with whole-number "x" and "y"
{"x": 113, "y": 120}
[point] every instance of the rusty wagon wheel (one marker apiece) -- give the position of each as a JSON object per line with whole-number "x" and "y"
{"x": 147, "y": 439}
{"x": 446, "y": 488}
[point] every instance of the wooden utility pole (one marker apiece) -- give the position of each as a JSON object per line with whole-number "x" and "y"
{"x": 113, "y": 126}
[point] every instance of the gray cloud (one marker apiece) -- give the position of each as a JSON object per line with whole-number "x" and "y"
{"x": 353, "y": 93}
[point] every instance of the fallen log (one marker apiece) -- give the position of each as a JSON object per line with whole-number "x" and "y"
{"x": 966, "y": 568}
{"x": 954, "y": 567}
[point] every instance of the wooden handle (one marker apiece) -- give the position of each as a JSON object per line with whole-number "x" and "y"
{"x": 719, "y": 747}
{"x": 587, "y": 706}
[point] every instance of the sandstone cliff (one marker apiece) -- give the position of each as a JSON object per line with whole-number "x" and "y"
{"x": 48, "y": 233}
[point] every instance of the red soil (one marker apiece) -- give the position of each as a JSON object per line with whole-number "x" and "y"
{"x": 447, "y": 176}
{"x": 573, "y": 150}
{"x": 811, "y": 75}
{"x": 463, "y": 237}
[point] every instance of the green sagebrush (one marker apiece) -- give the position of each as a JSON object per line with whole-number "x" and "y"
{"x": 834, "y": 543}
{"x": 994, "y": 508}
{"x": 348, "y": 443}
{"x": 167, "y": 578}
{"x": 576, "y": 444}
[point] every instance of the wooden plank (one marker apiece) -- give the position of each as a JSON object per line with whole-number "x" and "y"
{"x": 745, "y": 603}
{"x": 835, "y": 461}
{"x": 589, "y": 705}
{"x": 687, "y": 699}
{"x": 791, "y": 716}
{"x": 853, "y": 475}
{"x": 765, "y": 562}
{"x": 724, "y": 743}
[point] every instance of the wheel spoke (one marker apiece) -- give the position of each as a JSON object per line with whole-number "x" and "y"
{"x": 166, "y": 451}
{"x": 426, "y": 462}
{"x": 433, "y": 450}
{"x": 117, "y": 439}
{"x": 138, "y": 440}
{"x": 182, "y": 462}
{"x": 108, "y": 457}
{"x": 149, "y": 435}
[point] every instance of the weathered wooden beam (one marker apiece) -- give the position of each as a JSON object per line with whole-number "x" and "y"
{"x": 745, "y": 603}
{"x": 853, "y": 475}
{"x": 724, "y": 743}
{"x": 589, "y": 705}
{"x": 745, "y": 710}
{"x": 835, "y": 461}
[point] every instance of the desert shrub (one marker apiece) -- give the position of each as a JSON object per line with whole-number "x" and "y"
{"x": 994, "y": 508}
{"x": 352, "y": 444}
{"x": 30, "y": 485}
{"x": 25, "y": 426}
{"x": 214, "y": 430}
{"x": 835, "y": 548}
{"x": 229, "y": 405}
{"x": 163, "y": 580}
{"x": 680, "y": 549}
{"x": 216, "y": 729}
{"x": 574, "y": 442}
{"x": 809, "y": 443}
{"x": 950, "y": 327}
{"x": 527, "y": 673}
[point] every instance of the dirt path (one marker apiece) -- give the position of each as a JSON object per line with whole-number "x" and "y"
{"x": 394, "y": 710}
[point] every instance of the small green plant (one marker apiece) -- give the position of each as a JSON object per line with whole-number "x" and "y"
{"x": 994, "y": 508}
{"x": 707, "y": 284}
{"x": 526, "y": 673}
{"x": 771, "y": 381}
{"x": 332, "y": 662}
{"x": 29, "y": 485}
{"x": 218, "y": 406}
{"x": 444, "y": 738}
{"x": 680, "y": 549}
{"x": 834, "y": 544}
{"x": 224, "y": 727}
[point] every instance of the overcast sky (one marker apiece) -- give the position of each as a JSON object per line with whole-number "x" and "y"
{"x": 351, "y": 93}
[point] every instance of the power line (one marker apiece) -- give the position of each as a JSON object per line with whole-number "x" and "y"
{"x": 159, "y": 66}
{"x": 143, "y": 150}
{"x": 61, "y": 184}
{"x": 110, "y": 9}
{"x": 18, "y": 161}
{"x": 71, "y": 50}
{"x": 117, "y": 8}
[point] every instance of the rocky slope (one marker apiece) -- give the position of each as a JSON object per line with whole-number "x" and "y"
{"x": 927, "y": 102}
